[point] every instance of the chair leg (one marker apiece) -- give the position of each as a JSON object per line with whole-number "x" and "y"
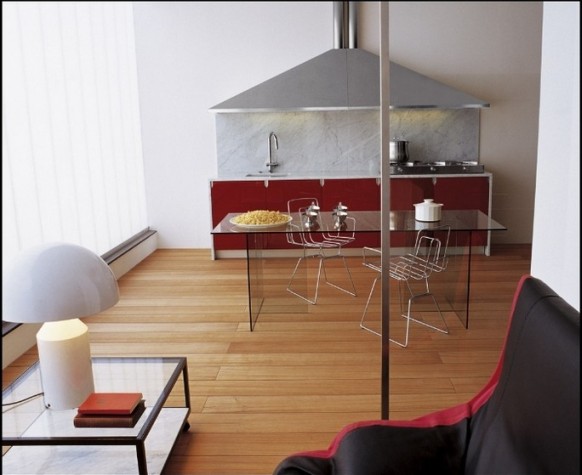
{"x": 322, "y": 258}
{"x": 405, "y": 315}
{"x": 426, "y": 293}
{"x": 408, "y": 315}
{"x": 376, "y": 279}
{"x": 442, "y": 330}
{"x": 353, "y": 291}
{"x": 403, "y": 345}
{"x": 289, "y": 289}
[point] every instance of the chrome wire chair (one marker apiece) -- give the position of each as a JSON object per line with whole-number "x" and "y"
{"x": 319, "y": 244}
{"x": 429, "y": 255}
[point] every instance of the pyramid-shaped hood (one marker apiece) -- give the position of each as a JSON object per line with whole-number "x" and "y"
{"x": 346, "y": 78}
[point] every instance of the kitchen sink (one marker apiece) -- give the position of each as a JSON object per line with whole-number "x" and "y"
{"x": 267, "y": 174}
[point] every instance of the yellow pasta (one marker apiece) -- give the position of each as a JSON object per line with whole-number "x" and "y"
{"x": 261, "y": 217}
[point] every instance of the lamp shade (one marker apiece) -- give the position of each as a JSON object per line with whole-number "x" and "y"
{"x": 56, "y": 284}
{"x": 57, "y": 281}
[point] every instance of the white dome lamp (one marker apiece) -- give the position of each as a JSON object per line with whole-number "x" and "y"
{"x": 56, "y": 284}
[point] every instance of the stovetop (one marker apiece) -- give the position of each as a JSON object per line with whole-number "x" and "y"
{"x": 431, "y": 168}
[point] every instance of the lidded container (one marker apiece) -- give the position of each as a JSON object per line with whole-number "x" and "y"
{"x": 428, "y": 210}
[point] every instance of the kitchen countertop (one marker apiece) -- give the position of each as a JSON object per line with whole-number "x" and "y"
{"x": 342, "y": 175}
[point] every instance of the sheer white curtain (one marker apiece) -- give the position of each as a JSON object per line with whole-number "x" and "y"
{"x": 72, "y": 165}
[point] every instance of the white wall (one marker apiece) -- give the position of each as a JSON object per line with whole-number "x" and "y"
{"x": 556, "y": 237}
{"x": 194, "y": 55}
{"x": 490, "y": 50}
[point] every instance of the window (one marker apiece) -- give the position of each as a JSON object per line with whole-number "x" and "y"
{"x": 72, "y": 165}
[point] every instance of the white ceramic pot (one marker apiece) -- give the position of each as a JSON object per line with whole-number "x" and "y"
{"x": 428, "y": 210}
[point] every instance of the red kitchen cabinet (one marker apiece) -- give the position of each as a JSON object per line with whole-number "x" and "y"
{"x": 281, "y": 191}
{"x": 247, "y": 195}
{"x": 358, "y": 194}
{"x": 454, "y": 193}
{"x": 233, "y": 197}
{"x": 464, "y": 193}
{"x": 404, "y": 192}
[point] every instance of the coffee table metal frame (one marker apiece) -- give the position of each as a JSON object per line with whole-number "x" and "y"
{"x": 30, "y": 431}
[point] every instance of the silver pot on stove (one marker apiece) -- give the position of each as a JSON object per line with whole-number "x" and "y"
{"x": 398, "y": 151}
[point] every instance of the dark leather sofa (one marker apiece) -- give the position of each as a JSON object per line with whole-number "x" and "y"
{"x": 526, "y": 420}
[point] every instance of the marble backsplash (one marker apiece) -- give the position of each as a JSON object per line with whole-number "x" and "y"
{"x": 345, "y": 142}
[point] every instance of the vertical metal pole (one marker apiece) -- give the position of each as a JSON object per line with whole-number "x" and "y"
{"x": 338, "y": 25}
{"x": 385, "y": 204}
{"x": 352, "y": 25}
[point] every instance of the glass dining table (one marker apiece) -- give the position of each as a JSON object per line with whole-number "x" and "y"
{"x": 455, "y": 284}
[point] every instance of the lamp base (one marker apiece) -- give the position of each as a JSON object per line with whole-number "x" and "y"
{"x": 65, "y": 363}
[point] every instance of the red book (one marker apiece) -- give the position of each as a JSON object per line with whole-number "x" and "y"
{"x": 110, "y": 403}
{"x": 91, "y": 420}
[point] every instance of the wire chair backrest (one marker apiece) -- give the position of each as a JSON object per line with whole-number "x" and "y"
{"x": 297, "y": 234}
{"x": 372, "y": 258}
{"x": 294, "y": 234}
{"x": 336, "y": 238}
{"x": 428, "y": 255}
{"x": 432, "y": 245}
{"x": 300, "y": 205}
{"x": 440, "y": 259}
{"x": 343, "y": 236}
{"x": 426, "y": 252}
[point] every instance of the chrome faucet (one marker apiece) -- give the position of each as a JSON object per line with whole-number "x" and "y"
{"x": 270, "y": 163}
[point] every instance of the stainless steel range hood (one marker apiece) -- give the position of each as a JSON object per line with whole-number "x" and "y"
{"x": 346, "y": 78}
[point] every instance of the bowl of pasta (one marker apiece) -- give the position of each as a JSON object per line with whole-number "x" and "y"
{"x": 261, "y": 218}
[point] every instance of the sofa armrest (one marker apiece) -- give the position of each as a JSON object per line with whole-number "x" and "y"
{"x": 380, "y": 448}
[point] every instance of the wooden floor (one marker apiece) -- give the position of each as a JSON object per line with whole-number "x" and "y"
{"x": 301, "y": 375}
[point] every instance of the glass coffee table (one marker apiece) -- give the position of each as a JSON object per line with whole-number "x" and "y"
{"x": 38, "y": 440}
